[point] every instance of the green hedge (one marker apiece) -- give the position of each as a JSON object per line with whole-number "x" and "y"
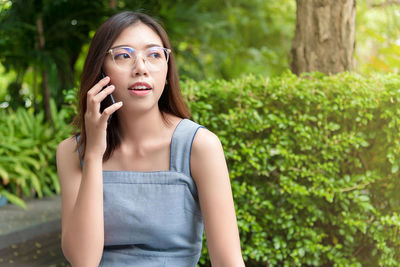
{"x": 314, "y": 163}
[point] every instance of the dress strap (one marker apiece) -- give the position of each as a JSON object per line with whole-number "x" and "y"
{"x": 181, "y": 146}
{"x": 79, "y": 149}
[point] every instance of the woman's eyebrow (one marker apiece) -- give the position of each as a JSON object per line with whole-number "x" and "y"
{"x": 153, "y": 45}
{"x": 146, "y": 46}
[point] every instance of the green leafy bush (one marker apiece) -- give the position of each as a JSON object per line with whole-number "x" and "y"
{"x": 27, "y": 153}
{"x": 314, "y": 163}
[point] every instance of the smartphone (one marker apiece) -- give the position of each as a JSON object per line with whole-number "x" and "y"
{"x": 108, "y": 101}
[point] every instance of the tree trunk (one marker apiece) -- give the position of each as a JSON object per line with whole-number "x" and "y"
{"x": 35, "y": 91}
{"x": 325, "y": 36}
{"x": 112, "y": 4}
{"x": 45, "y": 80}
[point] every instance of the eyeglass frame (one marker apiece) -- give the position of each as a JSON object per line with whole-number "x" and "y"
{"x": 167, "y": 52}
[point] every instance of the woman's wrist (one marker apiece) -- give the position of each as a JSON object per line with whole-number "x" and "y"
{"x": 93, "y": 157}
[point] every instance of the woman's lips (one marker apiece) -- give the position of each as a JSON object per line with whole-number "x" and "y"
{"x": 140, "y": 88}
{"x": 140, "y": 92}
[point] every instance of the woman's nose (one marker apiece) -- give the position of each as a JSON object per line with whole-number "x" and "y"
{"x": 140, "y": 67}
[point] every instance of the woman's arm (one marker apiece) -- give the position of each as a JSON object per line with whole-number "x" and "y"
{"x": 211, "y": 175}
{"x": 82, "y": 237}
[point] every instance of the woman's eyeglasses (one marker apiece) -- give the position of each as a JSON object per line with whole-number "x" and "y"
{"x": 125, "y": 57}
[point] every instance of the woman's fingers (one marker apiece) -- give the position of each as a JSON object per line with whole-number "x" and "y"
{"x": 110, "y": 110}
{"x": 104, "y": 93}
{"x": 99, "y": 85}
{"x": 94, "y": 98}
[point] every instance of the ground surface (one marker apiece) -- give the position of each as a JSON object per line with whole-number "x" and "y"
{"x": 31, "y": 237}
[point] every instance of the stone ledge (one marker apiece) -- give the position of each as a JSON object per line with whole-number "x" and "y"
{"x": 17, "y": 225}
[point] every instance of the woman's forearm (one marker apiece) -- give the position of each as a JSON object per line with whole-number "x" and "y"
{"x": 83, "y": 236}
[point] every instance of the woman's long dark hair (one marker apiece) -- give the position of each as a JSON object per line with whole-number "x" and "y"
{"x": 171, "y": 100}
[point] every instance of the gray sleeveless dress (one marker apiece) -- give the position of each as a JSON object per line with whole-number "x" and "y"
{"x": 153, "y": 219}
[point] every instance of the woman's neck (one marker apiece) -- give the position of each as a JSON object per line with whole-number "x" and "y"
{"x": 136, "y": 128}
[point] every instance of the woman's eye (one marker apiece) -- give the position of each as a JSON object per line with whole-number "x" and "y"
{"x": 155, "y": 55}
{"x": 121, "y": 56}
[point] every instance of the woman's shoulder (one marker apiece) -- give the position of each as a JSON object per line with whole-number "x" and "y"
{"x": 68, "y": 144}
{"x": 66, "y": 149}
{"x": 67, "y": 158}
{"x": 205, "y": 143}
{"x": 207, "y": 162}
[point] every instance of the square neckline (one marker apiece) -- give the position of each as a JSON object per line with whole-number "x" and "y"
{"x": 155, "y": 171}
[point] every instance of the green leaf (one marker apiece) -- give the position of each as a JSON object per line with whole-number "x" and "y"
{"x": 13, "y": 198}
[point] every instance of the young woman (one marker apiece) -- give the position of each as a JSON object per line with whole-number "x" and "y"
{"x": 140, "y": 178}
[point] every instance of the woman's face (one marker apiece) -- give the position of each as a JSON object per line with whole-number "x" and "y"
{"x": 138, "y": 84}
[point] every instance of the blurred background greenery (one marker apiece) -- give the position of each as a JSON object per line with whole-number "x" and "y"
{"x": 211, "y": 39}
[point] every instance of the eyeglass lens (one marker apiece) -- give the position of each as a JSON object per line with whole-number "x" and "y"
{"x": 126, "y": 57}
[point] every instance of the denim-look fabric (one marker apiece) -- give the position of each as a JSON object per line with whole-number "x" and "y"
{"x": 153, "y": 219}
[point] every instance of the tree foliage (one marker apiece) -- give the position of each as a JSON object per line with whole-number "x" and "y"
{"x": 231, "y": 38}
{"x": 223, "y": 39}
{"x": 378, "y": 36}
{"x": 65, "y": 24}
{"x": 210, "y": 39}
